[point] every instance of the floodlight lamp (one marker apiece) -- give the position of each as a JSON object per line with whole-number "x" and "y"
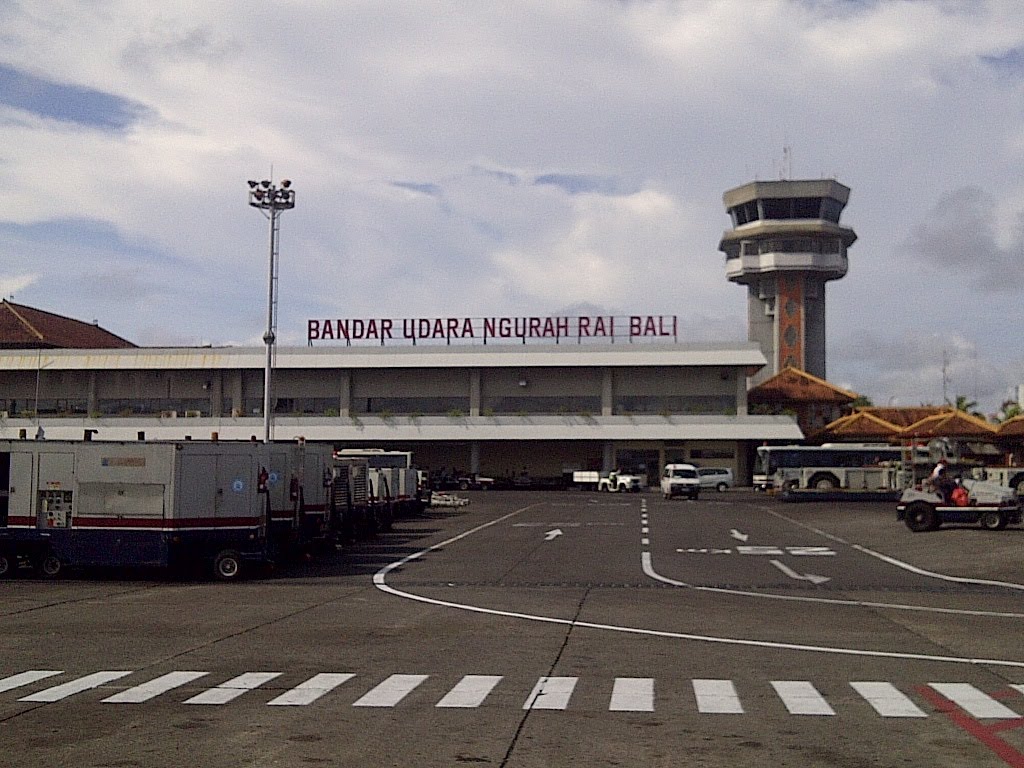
{"x": 265, "y": 184}
{"x": 258, "y": 194}
{"x": 253, "y": 184}
{"x": 285, "y": 183}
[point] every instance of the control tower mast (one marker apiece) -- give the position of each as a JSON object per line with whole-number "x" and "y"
{"x": 785, "y": 244}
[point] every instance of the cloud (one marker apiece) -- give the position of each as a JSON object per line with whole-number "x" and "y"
{"x": 959, "y": 239}
{"x": 579, "y": 183}
{"x": 10, "y": 285}
{"x": 512, "y": 160}
{"x": 68, "y": 103}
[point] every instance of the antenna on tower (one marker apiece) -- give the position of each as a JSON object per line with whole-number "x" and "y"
{"x": 945, "y": 377}
{"x": 787, "y": 163}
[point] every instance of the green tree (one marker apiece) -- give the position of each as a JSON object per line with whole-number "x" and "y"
{"x": 967, "y": 406}
{"x": 1009, "y": 409}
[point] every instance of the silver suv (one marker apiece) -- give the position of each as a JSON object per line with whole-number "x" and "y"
{"x": 718, "y": 478}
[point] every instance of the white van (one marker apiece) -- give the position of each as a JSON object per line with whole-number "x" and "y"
{"x": 680, "y": 480}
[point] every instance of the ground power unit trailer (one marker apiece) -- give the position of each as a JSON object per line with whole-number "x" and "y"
{"x": 93, "y": 503}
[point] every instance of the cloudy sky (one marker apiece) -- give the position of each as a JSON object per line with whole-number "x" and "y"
{"x": 518, "y": 158}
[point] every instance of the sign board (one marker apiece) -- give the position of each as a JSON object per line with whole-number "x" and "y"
{"x": 502, "y": 330}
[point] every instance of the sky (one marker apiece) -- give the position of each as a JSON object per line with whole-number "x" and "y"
{"x": 530, "y": 157}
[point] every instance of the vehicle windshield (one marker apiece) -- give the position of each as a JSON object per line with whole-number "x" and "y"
{"x": 684, "y": 473}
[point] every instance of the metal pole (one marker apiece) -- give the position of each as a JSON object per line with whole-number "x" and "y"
{"x": 268, "y": 337}
{"x": 270, "y": 199}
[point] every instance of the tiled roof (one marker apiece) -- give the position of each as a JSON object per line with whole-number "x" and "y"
{"x": 1012, "y": 427}
{"x": 24, "y": 327}
{"x": 904, "y": 416}
{"x": 950, "y": 423}
{"x": 860, "y": 425}
{"x": 794, "y": 385}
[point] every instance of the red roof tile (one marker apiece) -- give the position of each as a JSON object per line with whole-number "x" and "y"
{"x": 24, "y": 327}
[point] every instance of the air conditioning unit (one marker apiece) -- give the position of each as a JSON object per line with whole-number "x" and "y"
{"x": 3, "y": 414}
{"x": 168, "y": 414}
{"x": 193, "y": 414}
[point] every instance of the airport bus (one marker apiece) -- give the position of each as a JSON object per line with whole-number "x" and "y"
{"x": 835, "y": 466}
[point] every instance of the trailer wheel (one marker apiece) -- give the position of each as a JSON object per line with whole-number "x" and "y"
{"x": 921, "y": 517}
{"x": 227, "y": 565}
{"x": 6, "y": 565}
{"x": 824, "y": 481}
{"x": 51, "y": 566}
{"x": 992, "y": 521}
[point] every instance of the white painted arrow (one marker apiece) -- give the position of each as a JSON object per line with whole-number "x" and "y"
{"x": 552, "y": 534}
{"x": 814, "y": 579}
{"x": 739, "y": 536}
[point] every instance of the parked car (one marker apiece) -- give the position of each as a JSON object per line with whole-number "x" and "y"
{"x": 718, "y": 478}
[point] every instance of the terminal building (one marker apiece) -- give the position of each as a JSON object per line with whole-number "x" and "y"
{"x": 510, "y": 398}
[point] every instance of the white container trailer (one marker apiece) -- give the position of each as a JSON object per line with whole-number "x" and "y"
{"x": 134, "y": 504}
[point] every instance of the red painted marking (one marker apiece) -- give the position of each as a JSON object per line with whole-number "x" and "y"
{"x": 986, "y": 734}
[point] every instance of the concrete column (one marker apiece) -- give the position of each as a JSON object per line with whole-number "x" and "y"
{"x": 216, "y": 393}
{"x": 741, "y": 394}
{"x": 237, "y": 393}
{"x": 608, "y": 459}
{"x": 607, "y": 393}
{"x": 345, "y": 393}
{"x": 474, "y": 393}
{"x": 92, "y": 404}
{"x": 474, "y": 457}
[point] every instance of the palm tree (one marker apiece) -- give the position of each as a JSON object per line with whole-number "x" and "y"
{"x": 967, "y": 406}
{"x": 1010, "y": 409}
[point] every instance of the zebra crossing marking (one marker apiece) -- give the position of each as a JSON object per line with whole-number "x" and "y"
{"x": 391, "y": 691}
{"x": 70, "y": 688}
{"x": 887, "y": 700}
{"x": 717, "y": 697}
{"x": 628, "y": 694}
{"x": 306, "y": 693}
{"x": 551, "y": 693}
{"x": 233, "y": 688}
{"x": 26, "y": 678}
{"x": 470, "y": 691}
{"x": 801, "y": 698}
{"x": 632, "y": 694}
{"x": 154, "y": 688}
{"x": 975, "y": 703}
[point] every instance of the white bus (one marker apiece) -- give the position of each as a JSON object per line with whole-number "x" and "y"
{"x": 834, "y": 466}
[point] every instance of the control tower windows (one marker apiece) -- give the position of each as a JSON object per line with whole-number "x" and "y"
{"x": 792, "y": 245}
{"x": 744, "y": 213}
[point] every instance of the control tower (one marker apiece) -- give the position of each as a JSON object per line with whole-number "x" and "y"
{"x": 786, "y": 242}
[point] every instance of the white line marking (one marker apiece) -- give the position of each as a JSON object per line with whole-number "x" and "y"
{"x": 233, "y": 688}
{"x": 86, "y": 683}
{"x": 391, "y": 691}
{"x": 811, "y": 577}
{"x": 974, "y": 702}
{"x": 632, "y": 694}
{"x": 24, "y": 678}
{"x": 645, "y": 542}
{"x": 717, "y": 697}
{"x": 311, "y": 690}
{"x": 551, "y": 693}
{"x": 933, "y": 574}
{"x": 380, "y": 581}
{"x": 887, "y": 700}
{"x": 801, "y": 698}
{"x": 470, "y": 691}
{"x": 153, "y": 688}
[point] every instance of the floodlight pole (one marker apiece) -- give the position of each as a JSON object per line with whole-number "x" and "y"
{"x": 271, "y": 200}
